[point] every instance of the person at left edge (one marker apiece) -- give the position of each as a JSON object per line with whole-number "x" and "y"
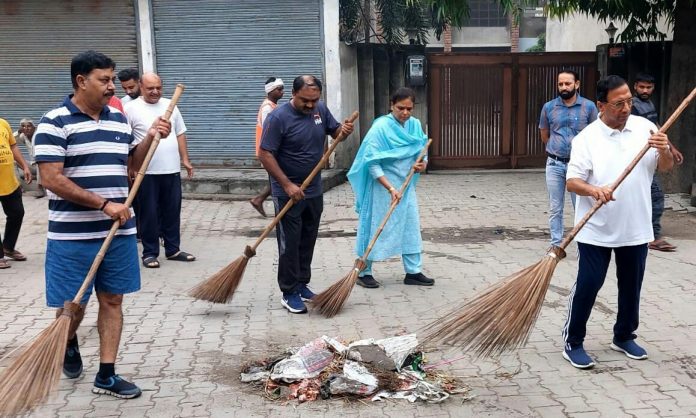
{"x": 11, "y": 194}
{"x": 293, "y": 142}
{"x": 81, "y": 148}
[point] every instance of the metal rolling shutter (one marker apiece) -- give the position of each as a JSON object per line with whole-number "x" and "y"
{"x": 38, "y": 39}
{"x": 223, "y": 51}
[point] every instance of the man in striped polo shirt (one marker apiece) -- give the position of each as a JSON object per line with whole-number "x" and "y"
{"x": 561, "y": 119}
{"x": 82, "y": 149}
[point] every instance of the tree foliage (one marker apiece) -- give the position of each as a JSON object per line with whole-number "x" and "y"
{"x": 394, "y": 18}
{"x": 641, "y": 18}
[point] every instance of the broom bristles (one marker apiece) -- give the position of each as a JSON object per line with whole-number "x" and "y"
{"x": 28, "y": 381}
{"x": 330, "y": 301}
{"x": 501, "y": 318}
{"x": 220, "y": 287}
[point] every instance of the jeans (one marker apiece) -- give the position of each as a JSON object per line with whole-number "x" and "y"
{"x": 14, "y": 210}
{"x": 592, "y": 270}
{"x": 556, "y": 186}
{"x": 658, "y": 206}
{"x": 412, "y": 264}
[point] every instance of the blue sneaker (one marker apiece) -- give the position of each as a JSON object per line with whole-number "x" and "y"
{"x": 305, "y": 293}
{"x": 293, "y": 303}
{"x": 578, "y": 357}
{"x": 116, "y": 386}
{"x": 630, "y": 348}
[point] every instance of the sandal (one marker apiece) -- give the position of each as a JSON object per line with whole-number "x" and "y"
{"x": 181, "y": 256}
{"x": 4, "y": 264}
{"x": 661, "y": 245}
{"x": 151, "y": 262}
{"x": 259, "y": 208}
{"x": 14, "y": 255}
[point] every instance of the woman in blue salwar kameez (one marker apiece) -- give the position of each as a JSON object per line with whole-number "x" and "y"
{"x": 388, "y": 151}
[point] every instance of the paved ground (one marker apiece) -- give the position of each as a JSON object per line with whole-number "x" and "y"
{"x": 478, "y": 228}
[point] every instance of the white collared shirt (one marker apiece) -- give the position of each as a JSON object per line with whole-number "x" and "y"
{"x": 599, "y": 155}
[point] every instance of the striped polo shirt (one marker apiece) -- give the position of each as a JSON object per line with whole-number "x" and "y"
{"x": 94, "y": 154}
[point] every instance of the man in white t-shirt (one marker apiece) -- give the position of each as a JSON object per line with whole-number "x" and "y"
{"x": 622, "y": 225}
{"x": 160, "y": 192}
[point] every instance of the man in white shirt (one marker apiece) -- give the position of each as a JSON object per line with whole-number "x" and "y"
{"x": 25, "y": 135}
{"x": 160, "y": 192}
{"x": 623, "y": 225}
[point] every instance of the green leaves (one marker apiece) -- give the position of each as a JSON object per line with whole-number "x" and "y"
{"x": 641, "y": 18}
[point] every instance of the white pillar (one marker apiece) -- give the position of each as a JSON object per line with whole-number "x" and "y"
{"x": 146, "y": 37}
{"x": 332, "y": 64}
{"x": 332, "y": 58}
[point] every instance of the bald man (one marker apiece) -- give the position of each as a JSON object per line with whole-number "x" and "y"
{"x": 160, "y": 192}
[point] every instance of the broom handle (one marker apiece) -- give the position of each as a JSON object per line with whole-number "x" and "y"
{"x": 396, "y": 202}
{"x": 598, "y": 204}
{"x": 131, "y": 195}
{"x": 304, "y": 185}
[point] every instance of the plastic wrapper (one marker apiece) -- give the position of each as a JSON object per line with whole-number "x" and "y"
{"x": 306, "y": 363}
{"x": 387, "y": 353}
{"x": 356, "y": 379}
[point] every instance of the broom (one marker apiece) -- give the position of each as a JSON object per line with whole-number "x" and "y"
{"x": 220, "y": 287}
{"x": 330, "y": 301}
{"x": 28, "y": 381}
{"x": 501, "y": 317}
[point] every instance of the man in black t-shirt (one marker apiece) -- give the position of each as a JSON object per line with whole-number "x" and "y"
{"x": 292, "y": 144}
{"x": 644, "y": 86}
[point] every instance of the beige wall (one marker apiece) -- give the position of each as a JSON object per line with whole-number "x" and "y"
{"x": 578, "y": 32}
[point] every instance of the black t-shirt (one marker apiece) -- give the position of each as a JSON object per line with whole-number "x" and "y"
{"x": 297, "y": 143}
{"x": 644, "y": 108}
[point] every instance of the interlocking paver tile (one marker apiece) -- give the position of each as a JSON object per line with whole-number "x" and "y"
{"x": 186, "y": 355}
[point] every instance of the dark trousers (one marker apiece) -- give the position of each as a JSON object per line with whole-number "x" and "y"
{"x": 159, "y": 199}
{"x": 592, "y": 270}
{"x": 296, "y": 233}
{"x": 14, "y": 210}
{"x": 658, "y": 206}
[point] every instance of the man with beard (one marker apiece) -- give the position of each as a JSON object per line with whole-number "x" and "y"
{"x": 292, "y": 143}
{"x": 130, "y": 81}
{"x": 561, "y": 119}
{"x": 644, "y": 86}
{"x": 160, "y": 192}
{"x": 81, "y": 148}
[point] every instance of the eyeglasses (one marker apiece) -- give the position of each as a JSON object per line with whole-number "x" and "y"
{"x": 621, "y": 104}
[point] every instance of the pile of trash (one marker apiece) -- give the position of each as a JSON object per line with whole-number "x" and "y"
{"x": 374, "y": 369}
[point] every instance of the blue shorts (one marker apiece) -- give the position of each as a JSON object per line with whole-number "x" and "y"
{"x": 68, "y": 261}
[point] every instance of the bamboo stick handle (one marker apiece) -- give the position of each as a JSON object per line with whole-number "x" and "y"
{"x": 305, "y": 184}
{"x": 394, "y": 203}
{"x": 598, "y": 204}
{"x": 129, "y": 200}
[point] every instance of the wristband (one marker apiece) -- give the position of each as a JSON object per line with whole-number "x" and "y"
{"x": 391, "y": 189}
{"x": 103, "y": 206}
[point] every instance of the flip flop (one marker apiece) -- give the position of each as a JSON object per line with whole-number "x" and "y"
{"x": 151, "y": 262}
{"x": 259, "y": 208}
{"x": 4, "y": 264}
{"x": 181, "y": 256}
{"x": 14, "y": 255}
{"x": 661, "y": 245}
